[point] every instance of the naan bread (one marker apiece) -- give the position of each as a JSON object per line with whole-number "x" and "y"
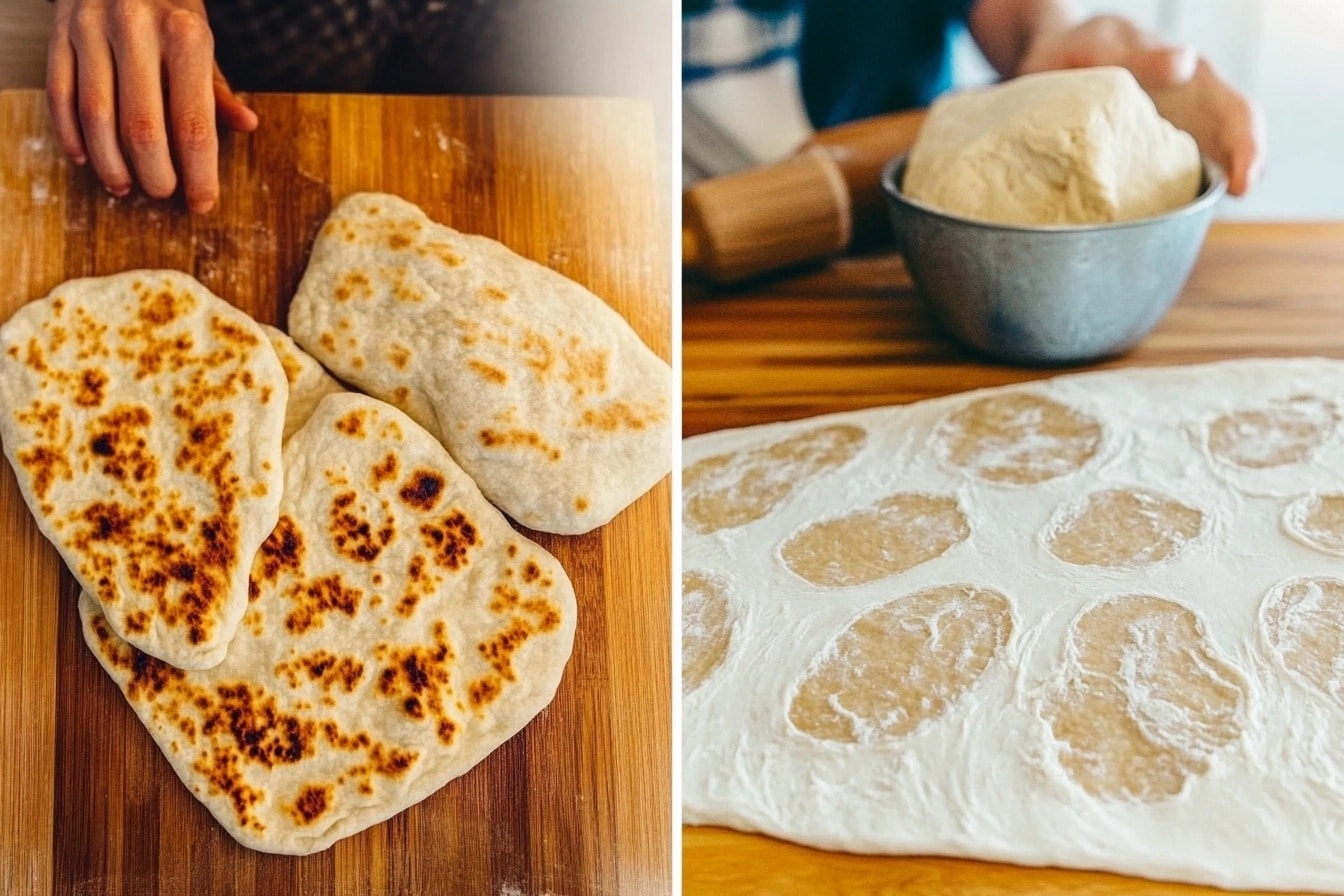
{"x": 539, "y": 390}
{"x": 309, "y": 381}
{"x": 142, "y": 416}
{"x": 399, "y": 631}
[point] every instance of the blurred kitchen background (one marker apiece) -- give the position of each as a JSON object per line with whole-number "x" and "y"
{"x": 1288, "y": 54}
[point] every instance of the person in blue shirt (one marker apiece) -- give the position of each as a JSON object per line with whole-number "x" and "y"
{"x": 852, "y": 59}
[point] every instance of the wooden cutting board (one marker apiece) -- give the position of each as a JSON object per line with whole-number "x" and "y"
{"x": 580, "y": 800}
{"x": 721, "y": 862}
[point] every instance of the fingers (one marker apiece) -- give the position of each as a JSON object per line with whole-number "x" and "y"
{"x": 1161, "y": 66}
{"x": 111, "y": 65}
{"x": 191, "y": 100}
{"x": 232, "y": 110}
{"x": 1246, "y": 147}
{"x": 1224, "y": 122}
{"x": 96, "y": 103}
{"x": 135, "y": 49}
{"x": 61, "y": 96}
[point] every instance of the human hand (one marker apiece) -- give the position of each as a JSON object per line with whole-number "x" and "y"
{"x": 1186, "y": 89}
{"x": 132, "y": 85}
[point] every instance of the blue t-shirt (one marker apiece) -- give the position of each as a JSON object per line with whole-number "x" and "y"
{"x": 856, "y": 58}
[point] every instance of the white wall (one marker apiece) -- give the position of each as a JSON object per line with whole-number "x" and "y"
{"x": 1289, "y": 56}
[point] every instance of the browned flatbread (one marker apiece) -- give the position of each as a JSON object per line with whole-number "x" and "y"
{"x": 143, "y": 415}
{"x": 398, "y": 631}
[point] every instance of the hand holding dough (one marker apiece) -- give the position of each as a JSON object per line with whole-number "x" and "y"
{"x": 1188, "y": 91}
{"x": 1075, "y": 147}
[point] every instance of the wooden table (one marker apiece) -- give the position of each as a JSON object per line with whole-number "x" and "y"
{"x": 853, "y": 335}
{"x": 579, "y": 801}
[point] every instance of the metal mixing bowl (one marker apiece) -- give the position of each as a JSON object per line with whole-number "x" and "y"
{"x": 1049, "y": 294}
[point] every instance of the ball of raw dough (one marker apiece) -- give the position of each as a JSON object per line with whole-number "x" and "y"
{"x": 1084, "y": 146}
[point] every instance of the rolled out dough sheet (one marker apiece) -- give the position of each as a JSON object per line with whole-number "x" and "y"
{"x": 1095, "y": 621}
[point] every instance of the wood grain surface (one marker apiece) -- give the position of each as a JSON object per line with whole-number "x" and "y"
{"x": 717, "y": 860}
{"x": 580, "y": 800}
{"x": 853, "y": 334}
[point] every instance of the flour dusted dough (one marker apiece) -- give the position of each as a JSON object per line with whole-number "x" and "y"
{"x": 1074, "y": 147}
{"x": 1126, "y": 659}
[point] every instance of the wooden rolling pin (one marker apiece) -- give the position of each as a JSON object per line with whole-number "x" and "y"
{"x": 817, "y": 203}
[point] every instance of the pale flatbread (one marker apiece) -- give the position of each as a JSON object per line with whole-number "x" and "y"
{"x": 399, "y": 631}
{"x": 143, "y": 417}
{"x": 1093, "y": 621}
{"x": 309, "y": 381}
{"x": 538, "y": 389}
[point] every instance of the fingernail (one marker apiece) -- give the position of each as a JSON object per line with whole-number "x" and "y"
{"x": 80, "y": 159}
{"x": 119, "y": 192}
{"x": 201, "y": 207}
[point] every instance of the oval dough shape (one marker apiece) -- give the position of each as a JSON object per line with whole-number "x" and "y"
{"x": 1303, "y": 622}
{"x": 1123, "y": 528}
{"x": 1143, "y": 701}
{"x": 901, "y": 664}
{"x": 729, "y": 490}
{"x": 1274, "y": 435}
{"x": 896, "y": 534}
{"x": 1317, "y": 521}
{"x": 706, "y": 627}
{"x": 1018, "y": 438}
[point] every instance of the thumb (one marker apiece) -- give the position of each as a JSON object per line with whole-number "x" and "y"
{"x": 1156, "y": 67}
{"x": 234, "y": 112}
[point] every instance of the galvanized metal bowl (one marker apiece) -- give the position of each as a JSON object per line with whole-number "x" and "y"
{"x": 1049, "y": 294}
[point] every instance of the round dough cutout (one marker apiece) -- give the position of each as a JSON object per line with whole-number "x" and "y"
{"x": 1274, "y": 435}
{"x": 1018, "y": 438}
{"x": 1317, "y": 521}
{"x": 896, "y": 534}
{"x": 1143, "y": 701}
{"x": 901, "y": 664}
{"x": 1123, "y": 528}
{"x": 1303, "y": 623}
{"x": 729, "y": 490}
{"x": 706, "y": 627}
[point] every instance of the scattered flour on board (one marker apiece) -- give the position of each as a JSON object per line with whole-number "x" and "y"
{"x": 38, "y": 150}
{"x": 515, "y": 890}
{"x": 37, "y": 145}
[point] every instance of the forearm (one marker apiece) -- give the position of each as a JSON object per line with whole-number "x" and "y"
{"x": 1005, "y": 29}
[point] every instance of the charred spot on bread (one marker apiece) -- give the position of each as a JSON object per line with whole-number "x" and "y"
{"x": 422, "y": 490}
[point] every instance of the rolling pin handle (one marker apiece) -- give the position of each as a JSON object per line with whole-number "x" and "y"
{"x": 817, "y": 203}
{"x": 752, "y": 222}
